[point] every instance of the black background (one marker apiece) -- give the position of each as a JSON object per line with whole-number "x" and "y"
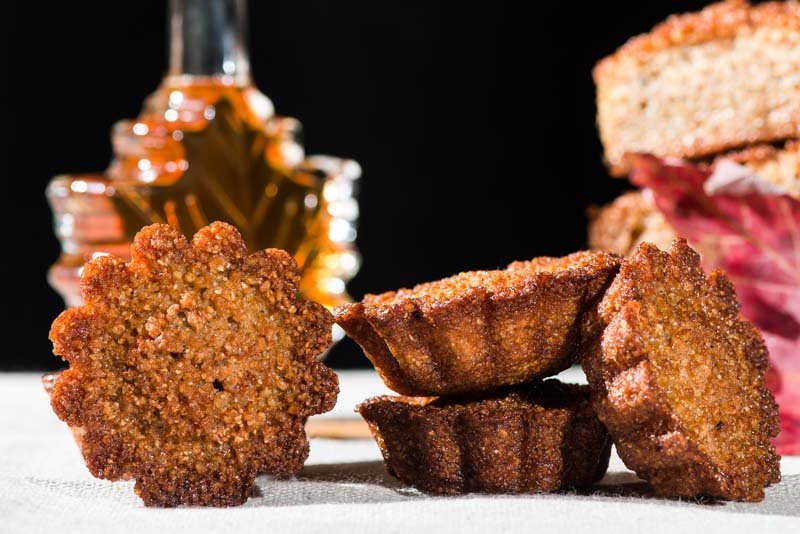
{"x": 473, "y": 122}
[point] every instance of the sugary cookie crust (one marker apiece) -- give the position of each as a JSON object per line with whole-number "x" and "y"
{"x": 677, "y": 377}
{"x": 533, "y": 438}
{"x": 192, "y": 367}
{"x": 482, "y": 329}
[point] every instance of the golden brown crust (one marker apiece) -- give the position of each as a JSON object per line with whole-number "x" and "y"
{"x": 532, "y": 438}
{"x": 677, "y": 377}
{"x": 721, "y": 20}
{"x": 751, "y": 154}
{"x": 482, "y": 329}
{"x": 192, "y": 367}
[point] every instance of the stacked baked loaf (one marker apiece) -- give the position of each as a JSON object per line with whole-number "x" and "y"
{"x": 676, "y": 377}
{"x": 720, "y": 84}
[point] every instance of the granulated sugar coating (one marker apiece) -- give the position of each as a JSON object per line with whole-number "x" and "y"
{"x": 677, "y": 377}
{"x": 531, "y": 438}
{"x": 193, "y": 367}
{"x": 482, "y": 329}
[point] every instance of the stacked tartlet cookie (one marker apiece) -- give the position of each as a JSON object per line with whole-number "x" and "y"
{"x": 481, "y": 342}
{"x": 676, "y": 377}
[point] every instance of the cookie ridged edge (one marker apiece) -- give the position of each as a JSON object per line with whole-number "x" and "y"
{"x": 549, "y": 441}
{"x": 479, "y": 338}
{"x": 635, "y": 411}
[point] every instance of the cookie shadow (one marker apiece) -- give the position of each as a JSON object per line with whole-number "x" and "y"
{"x": 619, "y": 484}
{"x": 373, "y": 472}
{"x": 369, "y": 482}
{"x": 626, "y": 484}
{"x": 340, "y": 483}
{"x": 780, "y": 499}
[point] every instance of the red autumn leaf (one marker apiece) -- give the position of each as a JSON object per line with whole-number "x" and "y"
{"x": 743, "y": 225}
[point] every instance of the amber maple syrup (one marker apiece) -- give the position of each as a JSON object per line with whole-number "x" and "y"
{"x": 208, "y": 147}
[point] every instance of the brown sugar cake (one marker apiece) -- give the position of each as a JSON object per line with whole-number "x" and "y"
{"x": 677, "y": 377}
{"x": 702, "y": 83}
{"x": 530, "y": 438}
{"x": 482, "y": 329}
{"x": 192, "y": 367}
{"x": 631, "y": 219}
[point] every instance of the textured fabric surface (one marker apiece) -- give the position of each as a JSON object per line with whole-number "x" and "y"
{"x": 343, "y": 488}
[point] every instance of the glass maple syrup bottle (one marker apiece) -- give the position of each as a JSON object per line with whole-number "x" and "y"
{"x": 208, "y": 147}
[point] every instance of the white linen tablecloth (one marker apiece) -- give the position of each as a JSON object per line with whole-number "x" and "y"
{"x": 44, "y": 487}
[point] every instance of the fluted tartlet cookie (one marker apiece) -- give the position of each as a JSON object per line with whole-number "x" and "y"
{"x": 531, "y": 438}
{"x": 482, "y": 329}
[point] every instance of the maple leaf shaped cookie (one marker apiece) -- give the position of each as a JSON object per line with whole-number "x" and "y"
{"x": 193, "y": 367}
{"x": 677, "y": 377}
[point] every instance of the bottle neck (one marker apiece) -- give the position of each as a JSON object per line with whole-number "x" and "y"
{"x": 207, "y": 39}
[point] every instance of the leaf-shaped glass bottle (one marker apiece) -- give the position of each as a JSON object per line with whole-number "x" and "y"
{"x": 207, "y": 146}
